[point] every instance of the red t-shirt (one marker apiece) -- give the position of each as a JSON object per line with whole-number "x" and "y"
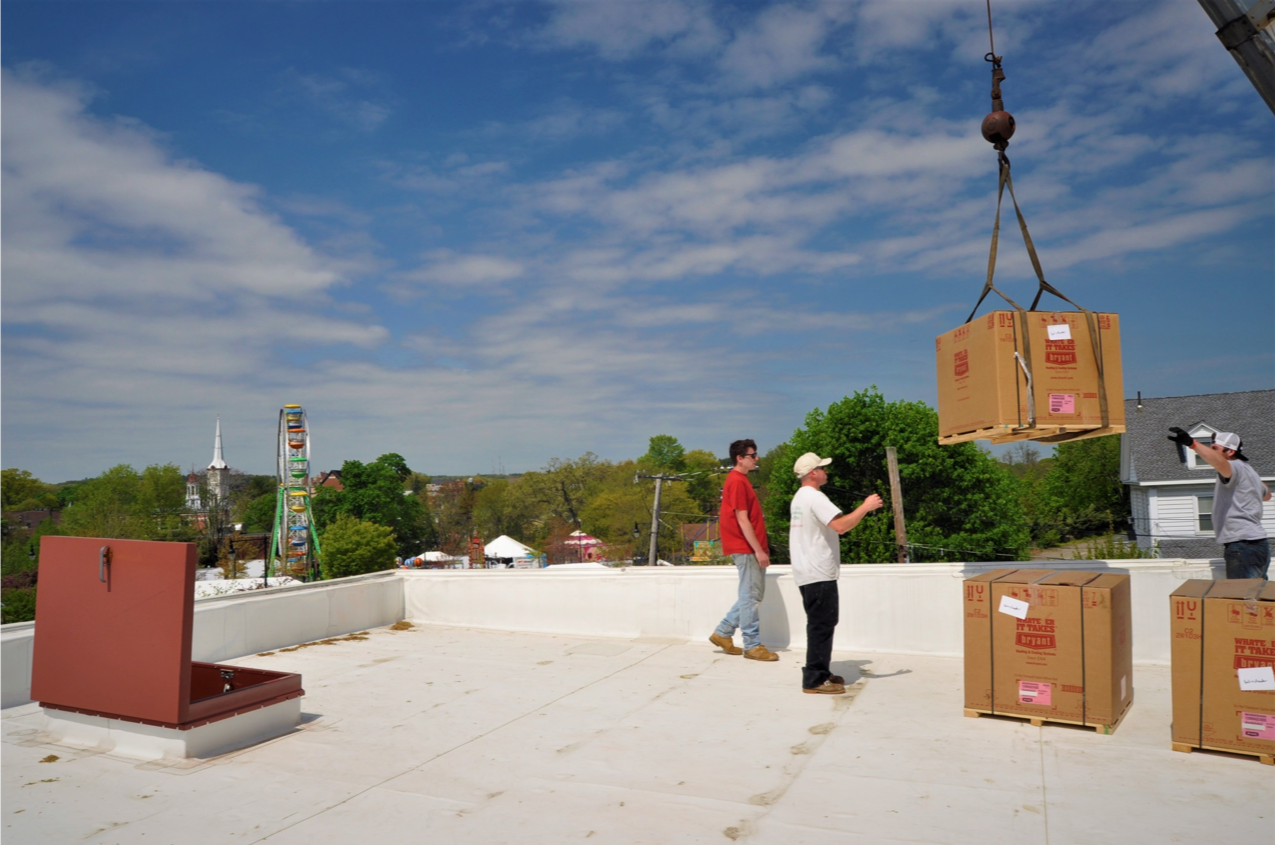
{"x": 738, "y": 495}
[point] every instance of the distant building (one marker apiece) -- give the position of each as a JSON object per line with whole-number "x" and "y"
{"x": 1170, "y": 488}
{"x": 193, "y": 501}
{"x": 331, "y": 478}
{"x": 702, "y": 540}
{"x": 30, "y": 520}
{"x": 218, "y": 470}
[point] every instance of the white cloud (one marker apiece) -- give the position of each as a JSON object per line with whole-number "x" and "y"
{"x": 133, "y": 280}
{"x": 447, "y": 268}
{"x": 783, "y": 43}
{"x": 562, "y": 121}
{"x": 620, "y": 30}
{"x": 335, "y": 95}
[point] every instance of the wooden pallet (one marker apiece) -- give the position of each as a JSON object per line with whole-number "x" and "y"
{"x": 1057, "y": 433}
{"x": 1262, "y": 757}
{"x": 1038, "y": 721}
{"x": 1043, "y": 433}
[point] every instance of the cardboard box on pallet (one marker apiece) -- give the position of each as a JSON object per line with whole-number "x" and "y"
{"x": 1069, "y": 659}
{"x": 1220, "y": 628}
{"x": 983, "y": 390}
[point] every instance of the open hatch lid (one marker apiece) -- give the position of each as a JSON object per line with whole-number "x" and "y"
{"x": 113, "y": 631}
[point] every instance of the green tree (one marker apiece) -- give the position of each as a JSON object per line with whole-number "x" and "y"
{"x": 664, "y": 454}
{"x": 418, "y": 482}
{"x": 19, "y": 605}
{"x": 704, "y": 481}
{"x": 561, "y": 488}
{"x": 1023, "y": 461}
{"x": 258, "y": 515}
{"x": 616, "y": 504}
{"x": 780, "y": 456}
{"x": 245, "y": 490}
{"x": 1082, "y": 491}
{"x": 19, "y": 548}
{"x": 107, "y": 506}
{"x": 395, "y": 463}
{"x": 22, "y": 491}
{"x": 454, "y": 515}
{"x": 959, "y": 503}
{"x": 124, "y": 503}
{"x": 498, "y": 509}
{"x": 353, "y": 546}
{"x": 162, "y": 500}
{"x": 375, "y": 492}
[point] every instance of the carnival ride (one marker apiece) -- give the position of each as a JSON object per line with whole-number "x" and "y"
{"x": 294, "y": 539}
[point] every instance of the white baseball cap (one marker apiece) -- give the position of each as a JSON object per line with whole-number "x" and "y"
{"x": 1230, "y": 440}
{"x": 807, "y": 462}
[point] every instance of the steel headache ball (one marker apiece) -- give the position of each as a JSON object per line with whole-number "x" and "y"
{"x": 998, "y": 128}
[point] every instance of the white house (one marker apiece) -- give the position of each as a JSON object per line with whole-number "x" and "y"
{"x": 1170, "y": 488}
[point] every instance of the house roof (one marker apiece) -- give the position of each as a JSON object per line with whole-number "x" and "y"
{"x": 1147, "y": 457}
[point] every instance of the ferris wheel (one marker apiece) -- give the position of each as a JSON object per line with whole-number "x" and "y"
{"x": 294, "y": 538}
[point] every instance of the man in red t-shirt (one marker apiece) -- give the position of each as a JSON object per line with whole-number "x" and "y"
{"x": 744, "y": 538}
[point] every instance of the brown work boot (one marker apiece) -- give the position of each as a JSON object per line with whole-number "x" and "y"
{"x": 826, "y": 688}
{"x": 725, "y": 644}
{"x": 760, "y": 652}
{"x": 837, "y": 679}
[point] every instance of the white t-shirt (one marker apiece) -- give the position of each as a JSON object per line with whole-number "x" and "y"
{"x": 815, "y": 549}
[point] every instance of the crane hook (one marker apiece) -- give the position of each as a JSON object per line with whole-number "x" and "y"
{"x": 998, "y": 127}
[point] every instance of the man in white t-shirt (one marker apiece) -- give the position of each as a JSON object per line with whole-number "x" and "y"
{"x": 814, "y": 546}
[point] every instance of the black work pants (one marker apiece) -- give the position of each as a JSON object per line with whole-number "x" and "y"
{"x": 823, "y": 609}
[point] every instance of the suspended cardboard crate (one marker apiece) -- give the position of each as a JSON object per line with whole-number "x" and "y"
{"x": 1030, "y": 375}
{"x": 111, "y": 665}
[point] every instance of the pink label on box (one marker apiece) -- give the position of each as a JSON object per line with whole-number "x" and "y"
{"x": 1062, "y": 403}
{"x": 1031, "y": 692}
{"x": 1257, "y": 726}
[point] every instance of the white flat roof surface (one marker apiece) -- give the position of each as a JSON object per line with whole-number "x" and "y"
{"x": 463, "y": 736}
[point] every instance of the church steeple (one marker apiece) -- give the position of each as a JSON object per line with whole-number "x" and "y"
{"x": 218, "y": 470}
{"x": 218, "y": 462}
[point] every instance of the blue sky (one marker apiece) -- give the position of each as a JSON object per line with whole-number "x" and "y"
{"x": 487, "y": 234}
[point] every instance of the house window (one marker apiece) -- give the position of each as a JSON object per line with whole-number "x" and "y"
{"x": 1204, "y": 511}
{"x": 1194, "y": 460}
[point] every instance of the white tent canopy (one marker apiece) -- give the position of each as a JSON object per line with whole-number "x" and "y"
{"x": 506, "y": 546}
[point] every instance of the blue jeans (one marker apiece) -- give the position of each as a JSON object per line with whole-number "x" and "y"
{"x": 743, "y": 615}
{"x": 1247, "y": 558}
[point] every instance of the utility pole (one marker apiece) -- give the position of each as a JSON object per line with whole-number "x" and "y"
{"x": 655, "y": 510}
{"x": 1247, "y": 31}
{"x": 655, "y": 521}
{"x": 896, "y": 499}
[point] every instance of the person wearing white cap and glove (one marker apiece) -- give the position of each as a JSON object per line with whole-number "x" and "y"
{"x": 814, "y": 546}
{"x": 1237, "y": 504}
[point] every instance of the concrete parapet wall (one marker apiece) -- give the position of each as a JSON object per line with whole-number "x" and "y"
{"x": 902, "y": 608}
{"x": 16, "y": 641}
{"x": 231, "y": 626}
{"x": 246, "y": 623}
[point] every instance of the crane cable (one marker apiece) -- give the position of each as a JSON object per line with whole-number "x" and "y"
{"x": 998, "y": 127}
